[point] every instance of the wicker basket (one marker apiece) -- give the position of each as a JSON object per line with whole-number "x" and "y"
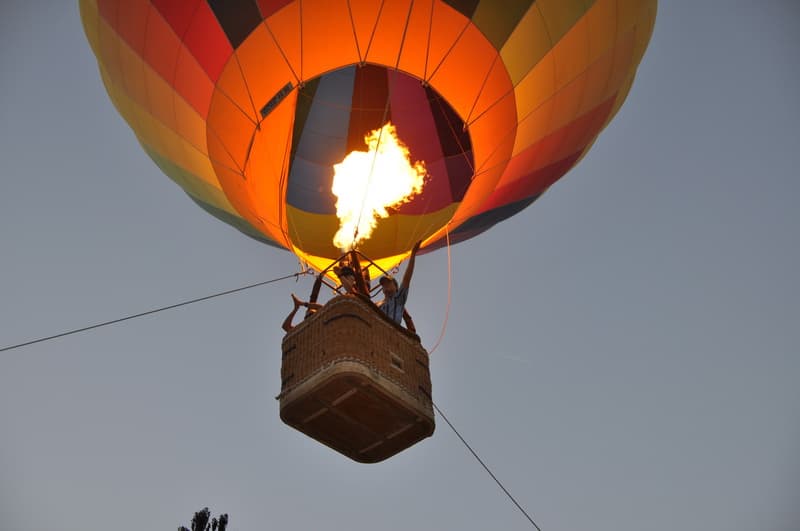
{"x": 354, "y": 380}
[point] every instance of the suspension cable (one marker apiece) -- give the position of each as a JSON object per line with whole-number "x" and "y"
{"x": 149, "y": 312}
{"x": 475, "y": 455}
{"x": 449, "y": 292}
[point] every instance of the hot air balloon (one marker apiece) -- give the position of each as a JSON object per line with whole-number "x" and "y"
{"x": 250, "y": 105}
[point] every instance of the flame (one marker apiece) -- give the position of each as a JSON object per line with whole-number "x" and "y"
{"x": 367, "y": 183}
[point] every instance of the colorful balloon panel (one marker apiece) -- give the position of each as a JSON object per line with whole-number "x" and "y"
{"x": 248, "y": 104}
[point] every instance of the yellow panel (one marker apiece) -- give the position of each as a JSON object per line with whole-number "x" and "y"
{"x": 601, "y": 22}
{"x": 197, "y": 163}
{"x": 536, "y": 88}
{"x": 561, "y": 15}
{"x": 526, "y": 45}
{"x": 319, "y": 263}
{"x": 189, "y": 124}
{"x": 572, "y": 53}
{"x": 90, "y": 18}
{"x": 108, "y": 42}
{"x": 313, "y": 233}
{"x": 160, "y": 97}
{"x": 133, "y": 73}
{"x": 644, "y": 30}
{"x": 328, "y": 41}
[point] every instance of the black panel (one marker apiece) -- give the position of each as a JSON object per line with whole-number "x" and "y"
{"x": 484, "y": 221}
{"x": 453, "y": 137}
{"x": 305, "y": 97}
{"x": 238, "y": 18}
{"x": 465, "y": 7}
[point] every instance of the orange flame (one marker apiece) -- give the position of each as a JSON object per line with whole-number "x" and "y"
{"x": 366, "y": 183}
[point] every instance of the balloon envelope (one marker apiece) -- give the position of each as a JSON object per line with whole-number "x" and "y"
{"x": 248, "y": 104}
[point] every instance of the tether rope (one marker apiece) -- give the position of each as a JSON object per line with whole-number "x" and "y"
{"x": 505, "y": 490}
{"x": 149, "y": 312}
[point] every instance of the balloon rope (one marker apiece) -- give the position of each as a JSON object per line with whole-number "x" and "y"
{"x": 449, "y": 292}
{"x": 142, "y": 314}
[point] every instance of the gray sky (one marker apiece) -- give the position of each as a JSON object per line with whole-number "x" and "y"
{"x": 623, "y": 355}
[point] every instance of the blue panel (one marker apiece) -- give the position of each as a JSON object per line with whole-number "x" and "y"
{"x": 310, "y": 187}
{"x": 322, "y": 144}
{"x": 483, "y": 222}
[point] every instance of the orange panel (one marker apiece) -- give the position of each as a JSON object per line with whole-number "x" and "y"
{"x": 192, "y": 82}
{"x": 536, "y": 87}
{"x": 414, "y": 57}
{"x": 595, "y": 80}
{"x": 232, "y": 84}
{"x": 284, "y": 27}
{"x": 460, "y": 76}
{"x": 365, "y": 18}
{"x": 496, "y": 86}
{"x": 446, "y": 26}
{"x": 328, "y": 40}
{"x": 189, "y": 124}
{"x": 380, "y": 41}
{"x": 131, "y": 22}
{"x": 492, "y": 141}
{"x": 263, "y": 83}
{"x": 219, "y": 155}
{"x": 231, "y": 127}
{"x": 268, "y": 167}
{"x": 133, "y": 73}
{"x": 160, "y": 98}
{"x": 161, "y": 47}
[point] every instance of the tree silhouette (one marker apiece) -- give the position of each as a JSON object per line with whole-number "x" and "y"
{"x": 202, "y": 521}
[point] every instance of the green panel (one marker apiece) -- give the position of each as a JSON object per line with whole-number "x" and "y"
{"x": 209, "y": 198}
{"x": 497, "y": 22}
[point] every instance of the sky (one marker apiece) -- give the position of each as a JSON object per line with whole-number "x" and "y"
{"x": 624, "y": 354}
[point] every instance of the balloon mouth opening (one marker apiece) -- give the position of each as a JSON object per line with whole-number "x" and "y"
{"x": 334, "y": 114}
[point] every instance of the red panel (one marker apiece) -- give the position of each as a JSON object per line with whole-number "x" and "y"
{"x": 131, "y": 23}
{"x": 368, "y": 109}
{"x": 161, "y": 47}
{"x": 268, "y": 7}
{"x": 417, "y": 129}
{"x": 192, "y": 83}
{"x": 532, "y": 184}
{"x": 108, "y": 10}
{"x": 207, "y": 42}
{"x": 178, "y": 13}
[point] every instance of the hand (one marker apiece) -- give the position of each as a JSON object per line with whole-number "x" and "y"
{"x": 297, "y": 302}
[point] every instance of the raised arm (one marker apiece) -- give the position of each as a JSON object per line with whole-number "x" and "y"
{"x": 410, "y": 268}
